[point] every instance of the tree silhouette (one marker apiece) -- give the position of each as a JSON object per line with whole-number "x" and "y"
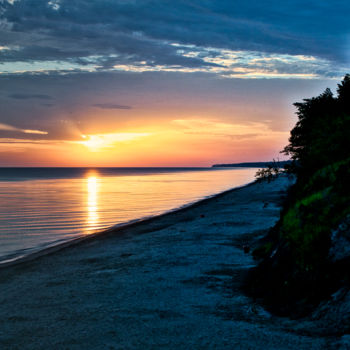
{"x": 322, "y": 134}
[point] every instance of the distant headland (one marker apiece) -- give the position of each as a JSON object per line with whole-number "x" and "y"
{"x": 280, "y": 164}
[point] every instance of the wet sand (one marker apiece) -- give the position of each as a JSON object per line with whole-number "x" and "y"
{"x": 173, "y": 282}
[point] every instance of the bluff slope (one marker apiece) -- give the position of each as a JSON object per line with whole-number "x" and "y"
{"x": 305, "y": 258}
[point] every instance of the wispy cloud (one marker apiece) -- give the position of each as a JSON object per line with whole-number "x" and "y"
{"x": 30, "y": 96}
{"x": 245, "y": 64}
{"x": 54, "y": 4}
{"x": 211, "y": 36}
{"x": 234, "y": 131}
{"x": 189, "y": 59}
{"x": 110, "y": 106}
{"x": 7, "y": 127}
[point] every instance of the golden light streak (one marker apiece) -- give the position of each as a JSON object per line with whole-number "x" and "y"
{"x": 7, "y": 127}
{"x": 92, "y": 201}
{"x": 100, "y": 141}
{"x": 38, "y": 132}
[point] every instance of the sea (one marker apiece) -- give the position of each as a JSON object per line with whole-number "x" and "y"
{"x": 44, "y": 207}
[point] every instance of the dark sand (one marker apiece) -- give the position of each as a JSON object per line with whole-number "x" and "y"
{"x": 169, "y": 283}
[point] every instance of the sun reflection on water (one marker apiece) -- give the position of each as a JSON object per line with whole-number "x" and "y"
{"x": 63, "y": 208}
{"x": 92, "y": 201}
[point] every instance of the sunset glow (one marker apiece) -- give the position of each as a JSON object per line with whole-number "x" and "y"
{"x": 179, "y": 142}
{"x": 92, "y": 201}
{"x": 175, "y": 143}
{"x": 102, "y": 141}
{"x": 148, "y": 89}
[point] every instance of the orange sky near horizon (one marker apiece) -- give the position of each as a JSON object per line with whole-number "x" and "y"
{"x": 178, "y": 142}
{"x": 153, "y": 120}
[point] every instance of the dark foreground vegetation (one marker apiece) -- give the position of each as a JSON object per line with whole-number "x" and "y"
{"x": 305, "y": 257}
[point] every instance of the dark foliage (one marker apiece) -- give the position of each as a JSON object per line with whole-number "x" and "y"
{"x": 295, "y": 271}
{"x": 322, "y": 133}
{"x": 269, "y": 172}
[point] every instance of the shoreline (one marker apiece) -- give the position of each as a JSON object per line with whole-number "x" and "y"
{"x": 55, "y": 247}
{"x": 173, "y": 282}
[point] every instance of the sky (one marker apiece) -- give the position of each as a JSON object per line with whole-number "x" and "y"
{"x": 160, "y": 82}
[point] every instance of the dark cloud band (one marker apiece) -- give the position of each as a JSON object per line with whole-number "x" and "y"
{"x": 110, "y": 106}
{"x": 30, "y": 96}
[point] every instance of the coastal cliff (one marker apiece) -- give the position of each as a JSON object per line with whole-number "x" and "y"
{"x": 305, "y": 258}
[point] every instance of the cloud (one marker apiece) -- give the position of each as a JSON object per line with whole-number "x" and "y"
{"x": 246, "y": 64}
{"x": 139, "y": 36}
{"x": 30, "y": 96}
{"x": 54, "y": 4}
{"x": 6, "y": 127}
{"x": 234, "y": 131}
{"x": 110, "y": 106}
{"x": 232, "y": 137}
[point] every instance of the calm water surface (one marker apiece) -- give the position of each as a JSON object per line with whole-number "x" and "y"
{"x": 40, "y": 207}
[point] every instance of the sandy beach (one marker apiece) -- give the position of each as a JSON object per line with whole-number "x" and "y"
{"x": 173, "y": 282}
